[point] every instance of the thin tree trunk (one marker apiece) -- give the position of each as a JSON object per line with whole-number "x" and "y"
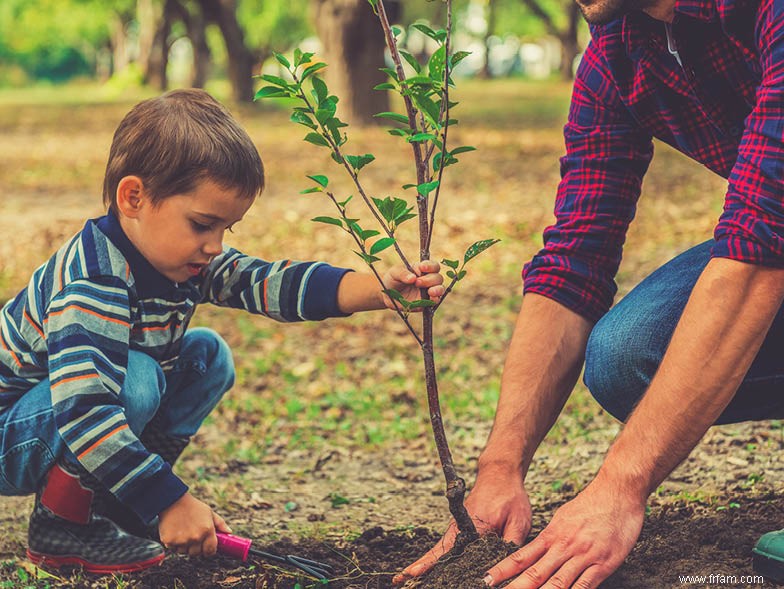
{"x": 354, "y": 49}
{"x": 491, "y": 19}
{"x": 241, "y": 59}
{"x": 196, "y": 30}
{"x": 569, "y": 45}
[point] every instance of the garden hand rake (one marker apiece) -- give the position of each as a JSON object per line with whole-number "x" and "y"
{"x": 239, "y": 547}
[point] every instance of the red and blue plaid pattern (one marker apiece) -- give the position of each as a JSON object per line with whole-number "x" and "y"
{"x": 724, "y": 108}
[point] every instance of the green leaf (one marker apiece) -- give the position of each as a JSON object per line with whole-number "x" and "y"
{"x": 429, "y": 108}
{"x": 459, "y": 56}
{"x": 403, "y": 218}
{"x": 359, "y": 161}
{"x": 397, "y": 31}
{"x": 368, "y": 258}
{"x": 316, "y": 139}
{"x": 399, "y": 132}
{"x": 395, "y": 295}
{"x": 412, "y": 61}
{"x": 290, "y": 506}
{"x": 282, "y": 60}
{"x": 384, "y": 86}
{"x": 336, "y": 158}
{"x": 312, "y": 69}
{"x": 397, "y": 117}
{"x": 419, "y": 80}
{"x": 427, "y": 187}
{"x": 399, "y": 208}
{"x": 407, "y": 186}
{"x": 271, "y": 92}
{"x": 320, "y": 179}
{"x": 421, "y": 303}
{"x": 451, "y": 263}
{"x": 373, "y": 3}
{"x": 320, "y": 88}
{"x": 329, "y": 221}
{"x": 337, "y": 500}
{"x": 391, "y": 72}
{"x": 303, "y": 119}
{"x": 366, "y": 234}
{"x": 423, "y": 28}
{"x": 345, "y": 202}
{"x": 276, "y": 80}
{"x": 386, "y": 208}
{"x": 462, "y": 149}
{"x": 381, "y": 245}
{"x": 311, "y": 190}
{"x": 478, "y": 247}
{"x": 437, "y": 63}
{"x": 422, "y": 137}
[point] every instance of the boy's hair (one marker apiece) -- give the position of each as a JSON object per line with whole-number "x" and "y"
{"x": 177, "y": 140}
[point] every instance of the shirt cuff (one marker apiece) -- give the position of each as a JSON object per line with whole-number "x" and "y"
{"x": 321, "y": 294}
{"x": 153, "y": 494}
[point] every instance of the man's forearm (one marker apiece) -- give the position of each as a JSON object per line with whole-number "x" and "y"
{"x": 722, "y": 328}
{"x": 542, "y": 365}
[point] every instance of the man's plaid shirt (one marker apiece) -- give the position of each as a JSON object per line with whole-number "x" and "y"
{"x": 724, "y": 107}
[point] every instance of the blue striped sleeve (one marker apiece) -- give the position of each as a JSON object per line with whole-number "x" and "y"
{"x": 284, "y": 290}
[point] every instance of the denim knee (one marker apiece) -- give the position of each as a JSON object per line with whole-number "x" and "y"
{"x": 142, "y": 391}
{"x": 619, "y": 365}
{"x": 206, "y": 345}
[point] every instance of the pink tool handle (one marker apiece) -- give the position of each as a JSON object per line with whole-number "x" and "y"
{"x": 233, "y": 546}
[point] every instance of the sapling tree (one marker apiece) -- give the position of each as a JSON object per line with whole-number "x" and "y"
{"x": 424, "y": 127}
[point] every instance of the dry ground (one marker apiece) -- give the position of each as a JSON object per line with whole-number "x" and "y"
{"x": 326, "y": 433}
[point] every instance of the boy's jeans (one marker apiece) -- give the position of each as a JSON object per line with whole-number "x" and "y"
{"x": 30, "y": 443}
{"x": 627, "y": 345}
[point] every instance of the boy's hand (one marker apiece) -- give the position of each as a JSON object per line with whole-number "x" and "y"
{"x": 188, "y": 527}
{"x": 426, "y": 275}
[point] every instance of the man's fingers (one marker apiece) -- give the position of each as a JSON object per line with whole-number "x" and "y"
{"x": 424, "y": 564}
{"x": 517, "y": 562}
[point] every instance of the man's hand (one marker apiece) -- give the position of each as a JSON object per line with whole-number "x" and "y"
{"x": 497, "y": 503}
{"x": 188, "y": 527}
{"x": 587, "y": 539}
{"x": 425, "y": 275}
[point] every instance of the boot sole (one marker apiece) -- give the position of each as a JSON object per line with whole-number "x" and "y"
{"x": 768, "y": 567}
{"x": 89, "y": 567}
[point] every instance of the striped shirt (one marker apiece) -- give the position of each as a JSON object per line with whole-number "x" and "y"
{"x": 712, "y": 86}
{"x": 96, "y": 299}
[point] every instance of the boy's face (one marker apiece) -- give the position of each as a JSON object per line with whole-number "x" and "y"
{"x": 184, "y": 232}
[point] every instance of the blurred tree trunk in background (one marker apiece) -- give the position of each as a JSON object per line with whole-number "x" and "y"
{"x": 354, "y": 50}
{"x": 241, "y": 59}
{"x": 489, "y": 32}
{"x": 570, "y": 47}
{"x": 196, "y": 30}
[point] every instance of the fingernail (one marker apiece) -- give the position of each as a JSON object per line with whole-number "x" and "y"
{"x": 411, "y": 277}
{"x": 488, "y": 580}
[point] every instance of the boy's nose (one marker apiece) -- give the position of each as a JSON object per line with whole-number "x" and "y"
{"x": 213, "y": 247}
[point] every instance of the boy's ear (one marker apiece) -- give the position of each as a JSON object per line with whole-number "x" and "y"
{"x": 130, "y": 196}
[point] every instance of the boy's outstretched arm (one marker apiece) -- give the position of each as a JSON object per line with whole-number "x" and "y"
{"x": 362, "y": 292}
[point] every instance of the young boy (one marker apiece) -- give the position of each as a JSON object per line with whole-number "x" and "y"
{"x": 102, "y": 383}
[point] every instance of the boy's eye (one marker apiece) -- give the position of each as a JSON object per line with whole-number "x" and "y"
{"x": 200, "y": 227}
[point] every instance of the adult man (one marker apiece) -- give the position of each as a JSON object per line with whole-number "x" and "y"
{"x": 698, "y": 342}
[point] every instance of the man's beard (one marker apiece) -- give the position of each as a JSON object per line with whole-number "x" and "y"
{"x": 601, "y": 12}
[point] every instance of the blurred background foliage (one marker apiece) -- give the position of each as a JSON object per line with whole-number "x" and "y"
{"x": 172, "y": 43}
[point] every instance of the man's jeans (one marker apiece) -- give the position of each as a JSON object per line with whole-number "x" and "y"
{"x": 182, "y": 398}
{"x": 627, "y": 345}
